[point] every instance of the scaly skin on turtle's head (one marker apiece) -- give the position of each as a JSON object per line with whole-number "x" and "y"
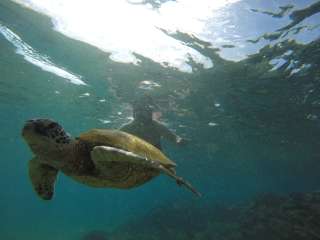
{"x": 45, "y": 136}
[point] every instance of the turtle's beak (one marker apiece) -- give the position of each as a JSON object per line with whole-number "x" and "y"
{"x": 30, "y": 126}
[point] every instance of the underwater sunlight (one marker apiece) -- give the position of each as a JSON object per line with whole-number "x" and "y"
{"x": 160, "y": 119}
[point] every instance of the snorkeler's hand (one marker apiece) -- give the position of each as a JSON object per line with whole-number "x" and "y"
{"x": 182, "y": 141}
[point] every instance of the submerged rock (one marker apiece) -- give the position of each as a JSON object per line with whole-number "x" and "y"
{"x": 95, "y": 235}
{"x": 296, "y": 216}
{"x": 268, "y": 217}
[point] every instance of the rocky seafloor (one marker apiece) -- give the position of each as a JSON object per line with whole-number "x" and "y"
{"x": 295, "y": 216}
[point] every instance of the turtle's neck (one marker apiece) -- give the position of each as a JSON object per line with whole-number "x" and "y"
{"x": 76, "y": 158}
{"x": 60, "y": 155}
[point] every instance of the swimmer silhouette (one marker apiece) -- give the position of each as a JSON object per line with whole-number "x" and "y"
{"x": 144, "y": 126}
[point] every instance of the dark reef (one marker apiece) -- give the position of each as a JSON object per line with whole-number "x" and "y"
{"x": 95, "y": 235}
{"x": 295, "y": 217}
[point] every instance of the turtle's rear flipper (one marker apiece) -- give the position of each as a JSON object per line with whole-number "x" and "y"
{"x": 180, "y": 181}
{"x": 43, "y": 178}
{"x": 102, "y": 155}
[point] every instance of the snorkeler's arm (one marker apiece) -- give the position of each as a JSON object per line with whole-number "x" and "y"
{"x": 167, "y": 133}
{"x": 126, "y": 127}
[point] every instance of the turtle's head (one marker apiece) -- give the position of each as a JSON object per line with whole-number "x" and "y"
{"x": 44, "y": 135}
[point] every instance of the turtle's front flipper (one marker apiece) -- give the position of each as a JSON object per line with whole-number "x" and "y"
{"x": 101, "y": 155}
{"x": 43, "y": 178}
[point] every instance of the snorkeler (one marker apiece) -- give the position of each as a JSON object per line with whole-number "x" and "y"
{"x": 144, "y": 126}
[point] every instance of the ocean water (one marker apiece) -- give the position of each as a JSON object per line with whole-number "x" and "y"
{"x": 240, "y": 79}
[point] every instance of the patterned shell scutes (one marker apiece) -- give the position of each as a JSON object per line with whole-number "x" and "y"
{"x": 125, "y": 141}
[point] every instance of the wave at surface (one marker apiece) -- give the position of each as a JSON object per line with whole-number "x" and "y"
{"x": 37, "y": 59}
{"x": 122, "y": 29}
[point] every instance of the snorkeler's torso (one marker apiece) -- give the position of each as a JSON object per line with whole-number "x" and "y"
{"x": 147, "y": 131}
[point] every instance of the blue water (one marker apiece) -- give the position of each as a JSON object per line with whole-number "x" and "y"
{"x": 253, "y": 130}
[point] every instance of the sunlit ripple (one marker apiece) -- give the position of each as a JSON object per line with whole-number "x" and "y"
{"x": 121, "y": 28}
{"x": 37, "y": 59}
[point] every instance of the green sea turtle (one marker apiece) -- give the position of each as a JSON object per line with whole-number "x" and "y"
{"x": 97, "y": 158}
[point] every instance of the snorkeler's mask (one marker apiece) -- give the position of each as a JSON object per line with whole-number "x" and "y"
{"x": 145, "y": 104}
{"x": 144, "y": 107}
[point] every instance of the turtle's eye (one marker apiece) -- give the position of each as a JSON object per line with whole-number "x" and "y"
{"x": 52, "y": 125}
